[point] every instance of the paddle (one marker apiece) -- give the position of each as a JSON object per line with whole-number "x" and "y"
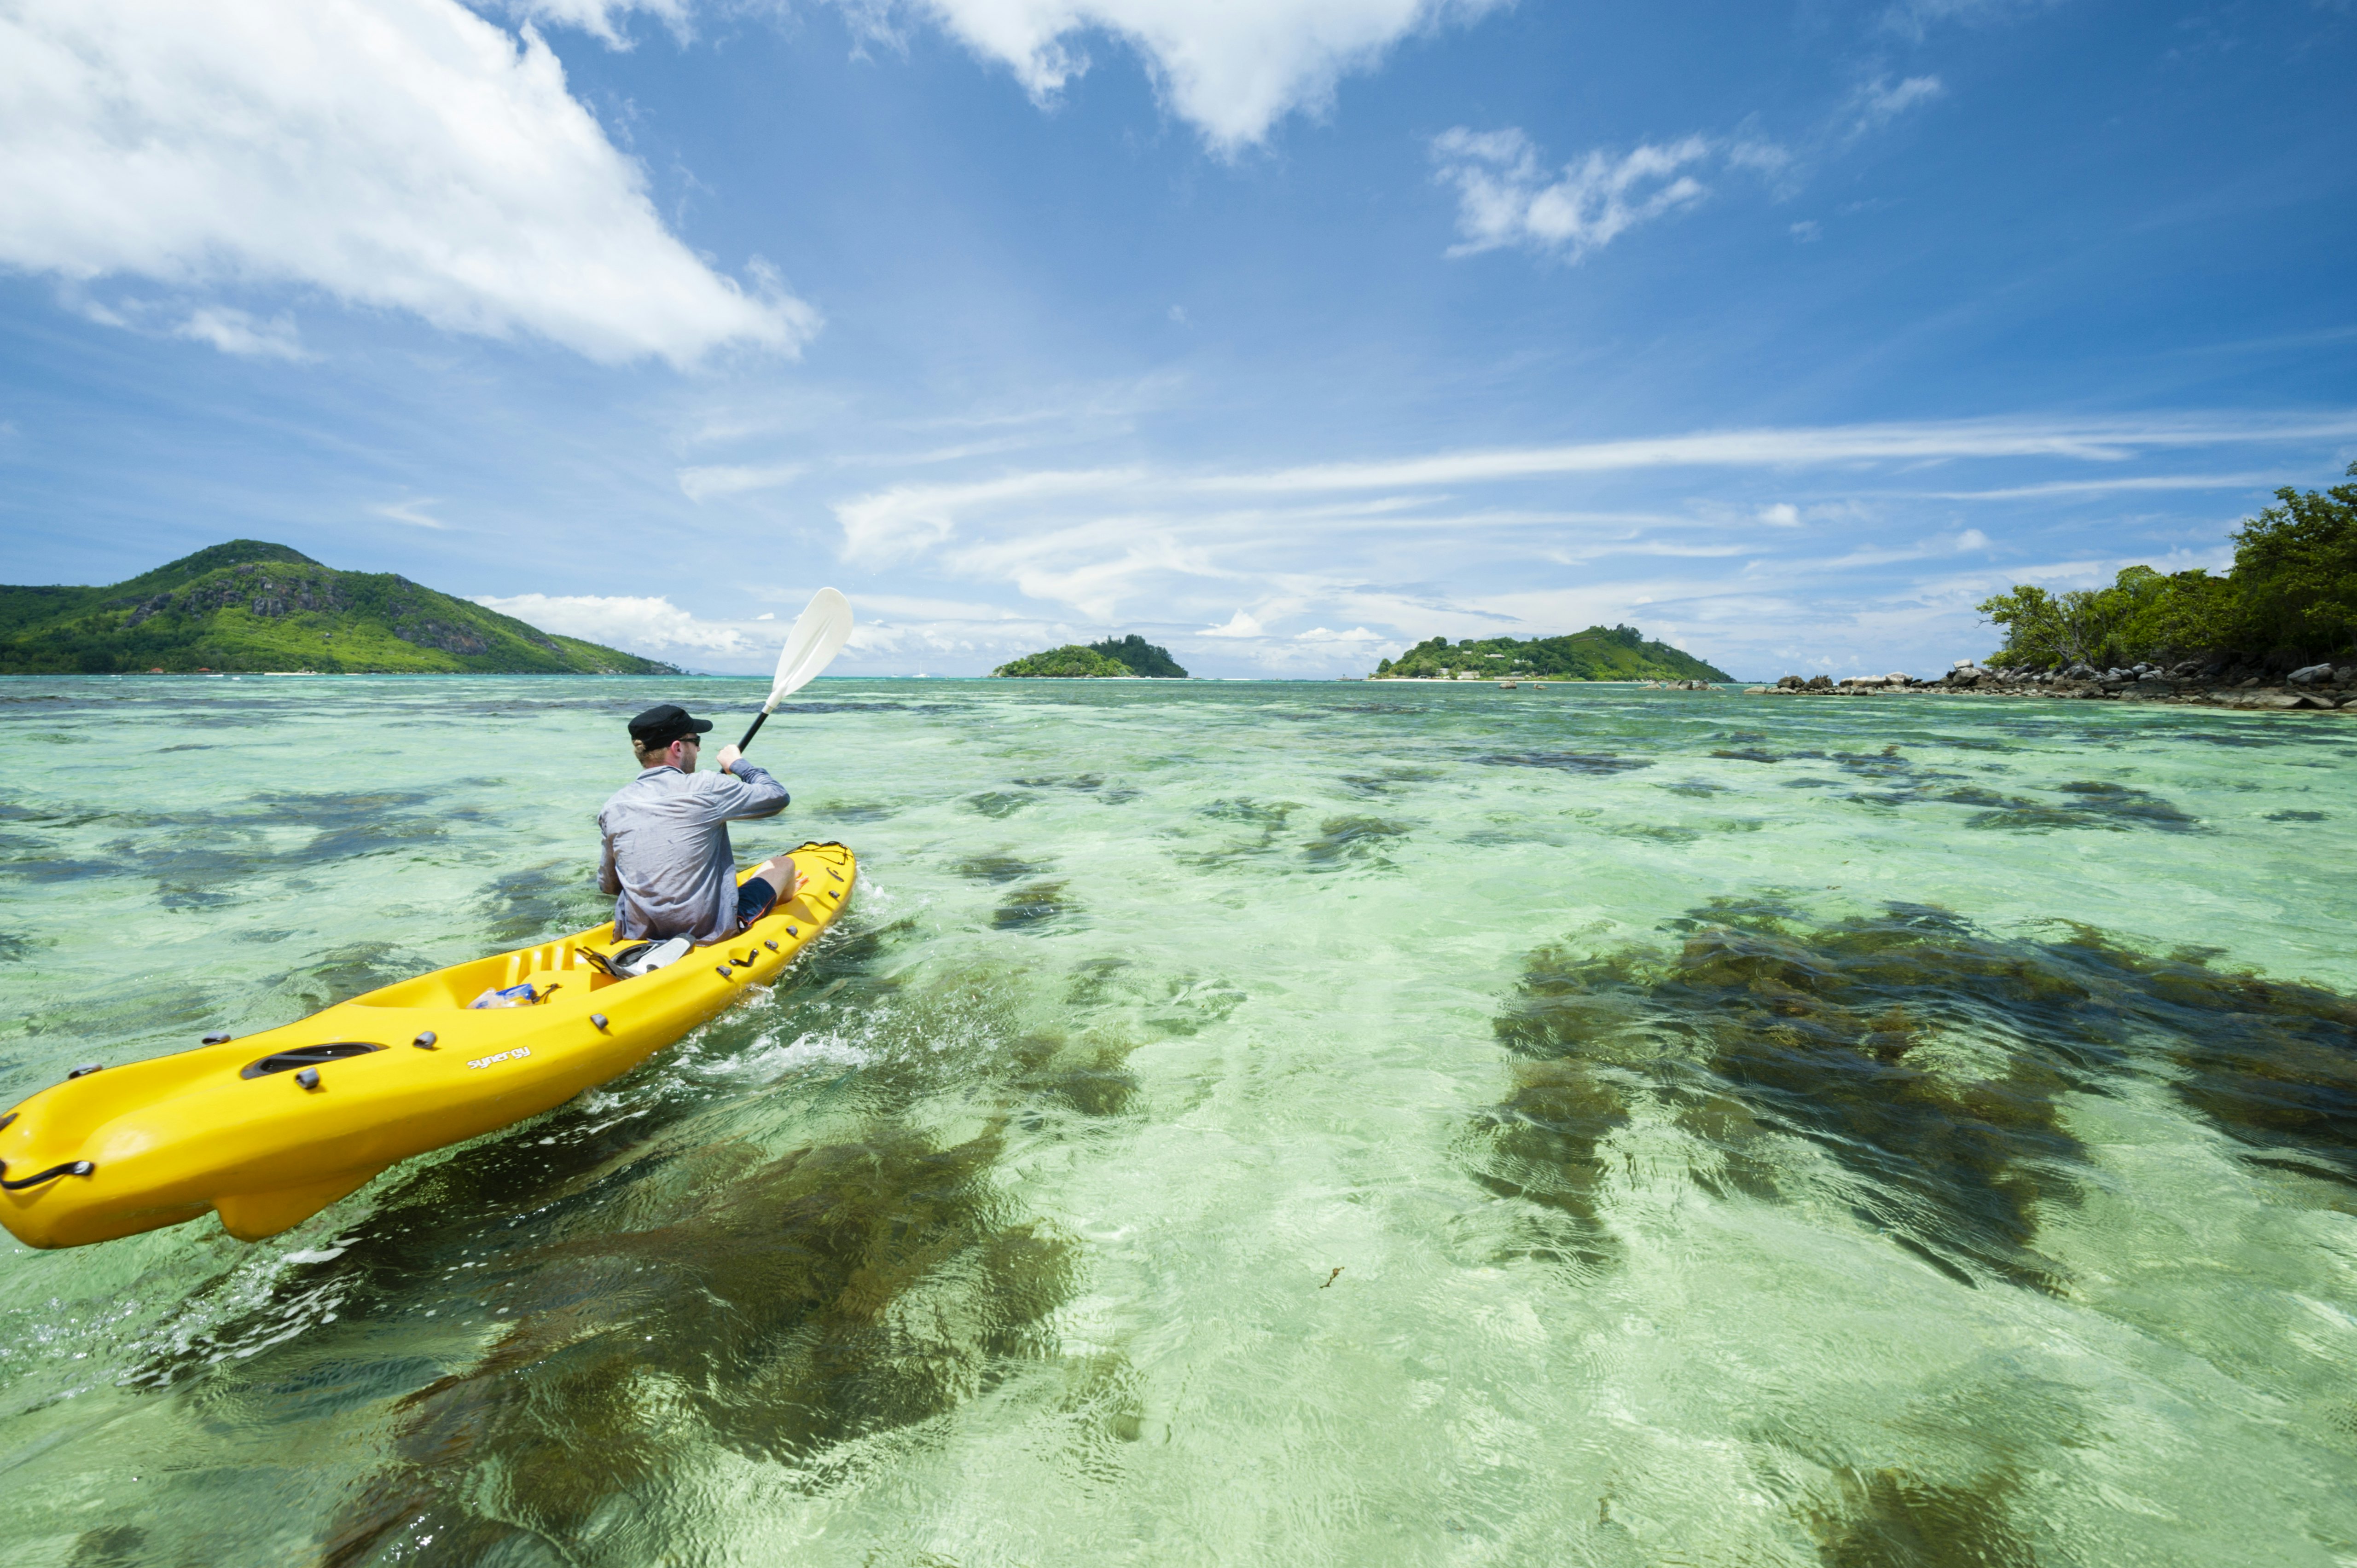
{"x": 818, "y": 636}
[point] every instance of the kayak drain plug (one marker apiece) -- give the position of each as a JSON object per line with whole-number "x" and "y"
{"x": 599, "y": 1019}
{"x": 308, "y": 1077}
{"x": 424, "y": 1041}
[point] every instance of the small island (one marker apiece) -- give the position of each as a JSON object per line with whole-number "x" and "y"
{"x": 256, "y": 607}
{"x": 1599, "y": 653}
{"x": 1114, "y": 659}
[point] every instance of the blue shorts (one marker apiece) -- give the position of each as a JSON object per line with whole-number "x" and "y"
{"x": 753, "y": 901}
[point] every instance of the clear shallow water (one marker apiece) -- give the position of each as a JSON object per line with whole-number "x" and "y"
{"x": 1748, "y": 1131}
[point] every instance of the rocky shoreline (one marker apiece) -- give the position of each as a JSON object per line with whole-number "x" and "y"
{"x": 2314, "y": 688}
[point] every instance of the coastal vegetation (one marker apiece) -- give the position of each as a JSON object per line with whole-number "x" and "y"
{"x": 1109, "y": 659}
{"x": 1599, "y": 653}
{"x": 2289, "y": 597}
{"x": 252, "y": 605}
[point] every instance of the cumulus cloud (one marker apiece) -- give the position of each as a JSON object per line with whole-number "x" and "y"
{"x": 1505, "y": 197}
{"x": 1231, "y": 71}
{"x": 654, "y": 627}
{"x": 396, "y": 153}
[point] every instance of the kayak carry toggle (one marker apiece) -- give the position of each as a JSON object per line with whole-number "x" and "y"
{"x": 71, "y": 1167}
{"x": 86, "y": 1069}
{"x": 217, "y": 1037}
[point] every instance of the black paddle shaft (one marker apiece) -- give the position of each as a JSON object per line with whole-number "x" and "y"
{"x": 757, "y": 720}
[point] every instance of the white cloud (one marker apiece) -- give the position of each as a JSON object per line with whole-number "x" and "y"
{"x": 602, "y": 19}
{"x": 654, "y": 627}
{"x": 398, "y": 153}
{"x": 235, "y": 332}
{"x": 700, "y": 484}
{"x": 1880, "y": 101}
{"x": 2105, "y": 487}
{"x": 1239, "y": 557}
{"x": 412, "y": 512}
{"x": 1504, "y": 198}
{"x": 1232, "y": 71}
{"x": 2100, "y": 440}
{"x": 906, "y": 518}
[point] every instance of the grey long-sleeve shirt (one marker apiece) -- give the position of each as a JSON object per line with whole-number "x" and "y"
{"x": 668, "y": 860}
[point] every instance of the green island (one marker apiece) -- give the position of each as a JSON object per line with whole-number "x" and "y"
{"x": 2289, "y": 598}
{"x": 1127, "y": 657}
{"x": 1599, "y": 653}
{"x": 249, "y": 605}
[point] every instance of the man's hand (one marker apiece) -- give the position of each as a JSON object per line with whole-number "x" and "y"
{"x": 729, "y": 756}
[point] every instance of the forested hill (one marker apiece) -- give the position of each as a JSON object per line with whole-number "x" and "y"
{"x": 249, "y": 605}
{"x": 1599, "y": 653}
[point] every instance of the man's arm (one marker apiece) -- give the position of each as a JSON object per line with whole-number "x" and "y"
{"x": 751, "y": 792}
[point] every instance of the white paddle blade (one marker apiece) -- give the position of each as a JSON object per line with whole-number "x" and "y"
{"x": 819, "y": 634}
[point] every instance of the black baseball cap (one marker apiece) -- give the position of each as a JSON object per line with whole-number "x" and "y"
{"x": 665, "y": 723}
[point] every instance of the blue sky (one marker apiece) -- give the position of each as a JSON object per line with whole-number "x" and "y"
{"x": 1285, "y": 333}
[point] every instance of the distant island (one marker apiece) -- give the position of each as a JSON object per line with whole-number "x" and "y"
{"x": 1127, "y": 657}
{"x": 248, "y": 606}
{"x": 1599, "y": 653}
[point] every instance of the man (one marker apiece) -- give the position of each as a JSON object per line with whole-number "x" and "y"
{"x": 668, "y": 860}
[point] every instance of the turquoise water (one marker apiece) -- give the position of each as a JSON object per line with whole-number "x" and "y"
{"x": 1747, "y": 1130}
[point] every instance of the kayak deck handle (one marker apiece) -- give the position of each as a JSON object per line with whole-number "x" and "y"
{"x": 86, "y": 1069}
{"x": 219, "y": 1038}
{"x": 71, "y": 1167}
{"x": 305, "y": 1058}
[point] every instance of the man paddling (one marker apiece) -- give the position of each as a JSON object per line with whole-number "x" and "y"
{"x": 667, "y": 859}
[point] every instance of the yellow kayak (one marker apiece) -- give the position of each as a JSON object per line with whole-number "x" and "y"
{"x": 270, "y": 1129}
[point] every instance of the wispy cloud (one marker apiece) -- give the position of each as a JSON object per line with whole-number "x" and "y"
{"x": 732, "y": 479}
{"x": 236, "y": 332}
{"x": 2107, "y": 486}
{"x": 412, "y": 512}
{"x": 1881, "y": 100}
{"x": 2096, "y": 440}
